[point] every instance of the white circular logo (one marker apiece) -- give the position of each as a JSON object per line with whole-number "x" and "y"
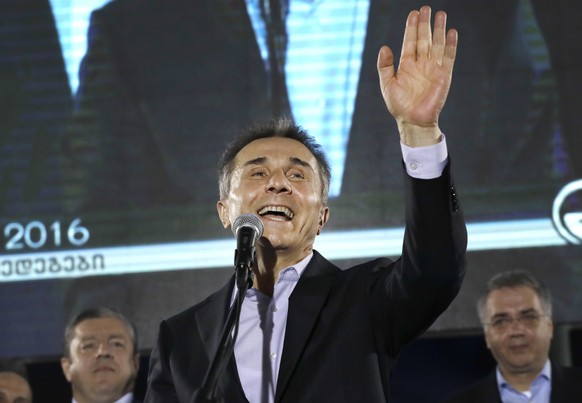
{"x": 568, "y": 223}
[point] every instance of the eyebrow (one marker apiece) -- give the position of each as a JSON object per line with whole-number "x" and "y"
{"x": 299, "y": 161}
{"x": 109, "y": 337}
{"x": 256, "y": 161}
{"x": 293, "y": 160}
{"x": 528, "y": 310}
{"x": 524, "y": 311}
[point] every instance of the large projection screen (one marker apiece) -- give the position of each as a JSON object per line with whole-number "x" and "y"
{"x": 113, "y": 115}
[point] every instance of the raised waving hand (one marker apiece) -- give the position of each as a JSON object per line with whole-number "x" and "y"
{"x": 416, "y": 93}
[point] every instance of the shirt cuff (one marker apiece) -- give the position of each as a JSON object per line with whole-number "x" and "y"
{"x": 425, "y": 162}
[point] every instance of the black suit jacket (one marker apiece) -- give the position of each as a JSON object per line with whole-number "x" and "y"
{"x": 344, "y": 328}
{"x": 565, "y": 388}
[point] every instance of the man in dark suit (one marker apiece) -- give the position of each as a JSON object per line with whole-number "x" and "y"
{"x": 516, "y": 313}
{"x": 309, "y": 331}
{"x": 101, "y": 360}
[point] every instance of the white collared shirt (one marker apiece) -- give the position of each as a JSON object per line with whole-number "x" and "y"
{"x": 261, "y": 334}
{"x": 127, "y": 398}
{"x": 539, "y": 391}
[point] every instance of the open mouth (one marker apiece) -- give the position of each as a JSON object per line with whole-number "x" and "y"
{"x": 279, "y": 211}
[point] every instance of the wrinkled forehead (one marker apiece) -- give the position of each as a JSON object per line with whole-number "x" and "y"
{"x": 512, "y": 300}
{"x": 276, "y": 148}
{"x": 101, "y": 328}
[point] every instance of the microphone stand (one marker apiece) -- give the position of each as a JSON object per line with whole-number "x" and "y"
{"x": 208, "y": 391}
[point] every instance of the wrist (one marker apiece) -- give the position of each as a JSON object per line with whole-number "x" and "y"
{"x": 419, "y": 136}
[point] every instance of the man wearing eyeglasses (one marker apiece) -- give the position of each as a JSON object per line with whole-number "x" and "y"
{"x": 516, "y": 314}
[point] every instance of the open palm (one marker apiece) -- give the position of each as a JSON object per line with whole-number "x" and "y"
{"x": 416, "y": 94}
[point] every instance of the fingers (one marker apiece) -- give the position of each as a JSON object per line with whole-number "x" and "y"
{"x": 385, "y": 64}
{"x": 444, "y": 47}
{"x": 385, "y": 59}
{"x": 410, "y": 36}
{"x": 438, "y": 46}
{"x": 450, "y": 49}
{"x": 417, "y": 36}
{"x": 424, "y": 43}
{"x": 419, "y": 42}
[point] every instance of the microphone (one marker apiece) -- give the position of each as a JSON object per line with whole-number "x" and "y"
{"x": 247, "y": 228}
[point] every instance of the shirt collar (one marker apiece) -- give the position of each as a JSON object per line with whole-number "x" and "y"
{"x": 298, "y": 268}
{"x": 127, "y": 398}
{"x": 546, "y": 373}
{"x": 291, "y": 273}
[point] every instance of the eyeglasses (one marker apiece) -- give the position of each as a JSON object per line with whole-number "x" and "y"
{"x": 528, "y": 320}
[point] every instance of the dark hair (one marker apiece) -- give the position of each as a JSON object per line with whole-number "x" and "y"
{"x": 282, "y": 127}
{"x": 512, "y": 279}
{"x": 96, "y": 313}
{"x": 17, "y": 366}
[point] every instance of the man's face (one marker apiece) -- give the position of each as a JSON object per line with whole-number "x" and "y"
{"x": 519, "y": 346}
{"x": 14, "y": 388}
{"x": 277, "y": 179}
{"x": 102, "y": 366}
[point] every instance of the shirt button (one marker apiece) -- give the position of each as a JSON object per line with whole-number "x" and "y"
{"x": 413, "y": 165}
{"x": 273, "y": 356}
{"x": 275, "y": 309}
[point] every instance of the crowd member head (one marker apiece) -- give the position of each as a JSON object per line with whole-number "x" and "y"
{"x": 100, "y": 355}
{"x": 516, "y": 314}
{"x": 14, "y": 388}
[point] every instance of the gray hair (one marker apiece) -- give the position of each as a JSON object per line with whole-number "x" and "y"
{"x": 512, "y": 279}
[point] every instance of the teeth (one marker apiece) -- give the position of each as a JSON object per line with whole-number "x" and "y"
{"x": 278, "y": 210}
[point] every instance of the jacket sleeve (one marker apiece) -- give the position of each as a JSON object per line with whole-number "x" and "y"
{"x": 428, "y": 275}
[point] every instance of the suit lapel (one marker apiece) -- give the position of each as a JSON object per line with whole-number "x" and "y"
{"x": 559, "y": 392}
{"x": 210, "y": 322}
{"x": 305, "y": 305}
{"x": 211, "y": 318}
{"x": 491, "y": 392}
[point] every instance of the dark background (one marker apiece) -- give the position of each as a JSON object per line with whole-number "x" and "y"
{"x": 512, "y": 122}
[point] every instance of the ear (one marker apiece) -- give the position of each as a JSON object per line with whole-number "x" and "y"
{"x": 323, "y": 217}
{"x": 66, "y": 367}
{"x": 136, "y": 362}
{"x": 551, "y": 325}
{"x": 487, "y": 339}
{"x": 222, "y": 209}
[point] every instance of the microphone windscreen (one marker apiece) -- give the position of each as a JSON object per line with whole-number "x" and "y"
{"x": 248, "y": 220}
